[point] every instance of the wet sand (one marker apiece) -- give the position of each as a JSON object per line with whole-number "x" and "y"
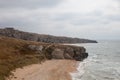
{"x": 48, "y": 70}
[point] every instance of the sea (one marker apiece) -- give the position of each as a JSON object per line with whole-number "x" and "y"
{"x": 103, "y": 62}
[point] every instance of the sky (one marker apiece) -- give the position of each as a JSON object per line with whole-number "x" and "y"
{"x": 91, "y": 19}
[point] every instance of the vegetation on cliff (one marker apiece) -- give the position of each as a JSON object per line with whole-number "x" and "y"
{"x": 14, "y": 54}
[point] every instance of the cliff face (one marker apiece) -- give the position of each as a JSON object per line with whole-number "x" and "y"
{"x": 54, "y": 51}
{"x": 11, "y": 32}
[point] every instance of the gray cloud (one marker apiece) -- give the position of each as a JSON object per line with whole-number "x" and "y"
{"x": 28, "y": 3}
{"x": 95, "y": 17}
{"x": 84, "y": 22}
{"x": 52, "y": 17}
{"x": 114, "y": 18}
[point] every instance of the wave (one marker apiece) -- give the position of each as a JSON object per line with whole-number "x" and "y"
{"x": 80, "y": 71}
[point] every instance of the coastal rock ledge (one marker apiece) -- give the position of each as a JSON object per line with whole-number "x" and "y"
{"x": 60, "y": 51}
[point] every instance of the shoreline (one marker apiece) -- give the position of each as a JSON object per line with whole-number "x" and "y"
{"x": 48, "y": 70}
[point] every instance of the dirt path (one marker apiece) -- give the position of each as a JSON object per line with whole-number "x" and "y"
{"x": 48, "y": 70}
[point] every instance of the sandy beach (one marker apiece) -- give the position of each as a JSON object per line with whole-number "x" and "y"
{"x": 48, "y": 70}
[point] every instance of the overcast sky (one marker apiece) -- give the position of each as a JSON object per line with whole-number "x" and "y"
{"x": 92, "y": 19}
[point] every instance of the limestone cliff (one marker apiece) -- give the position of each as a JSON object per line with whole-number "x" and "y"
{"x": 11, "y": 32}
{"x": 54, "y": 51}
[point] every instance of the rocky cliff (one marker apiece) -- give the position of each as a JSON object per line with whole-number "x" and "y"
{"x": 11, "y": 46}
{"x": 11, "y": 32}
{"x": 54, "y": 51}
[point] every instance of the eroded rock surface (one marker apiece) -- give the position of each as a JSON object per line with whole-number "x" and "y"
{"x": 60, "y": 51}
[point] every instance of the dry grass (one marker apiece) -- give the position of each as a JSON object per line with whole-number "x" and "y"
{"x": 15, "y": 54}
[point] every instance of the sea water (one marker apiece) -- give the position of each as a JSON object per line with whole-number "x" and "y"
{"x": 103, "y": 62}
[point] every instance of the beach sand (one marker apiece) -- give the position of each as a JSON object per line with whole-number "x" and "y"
{"x": 48, "y": 70}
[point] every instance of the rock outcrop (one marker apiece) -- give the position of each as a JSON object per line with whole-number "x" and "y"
{"x": 11, "y": 32}
{"x": 60, "y": 51}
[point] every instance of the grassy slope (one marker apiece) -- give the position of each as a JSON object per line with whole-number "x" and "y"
{"x": 15, "y": 54}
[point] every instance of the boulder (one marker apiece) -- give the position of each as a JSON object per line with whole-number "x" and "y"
{"x": 35, "y": 47}
{"x": 70, "y": 51}
{"x": 39, "y": 48}
{"x": 58, "y": 54}
{"x": 32, "y": 47}
{"x": 81, "y": 57}
{"x": 67, "y": 56}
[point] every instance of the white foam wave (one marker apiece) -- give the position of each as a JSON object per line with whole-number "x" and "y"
{"x": 80, "y": 71}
